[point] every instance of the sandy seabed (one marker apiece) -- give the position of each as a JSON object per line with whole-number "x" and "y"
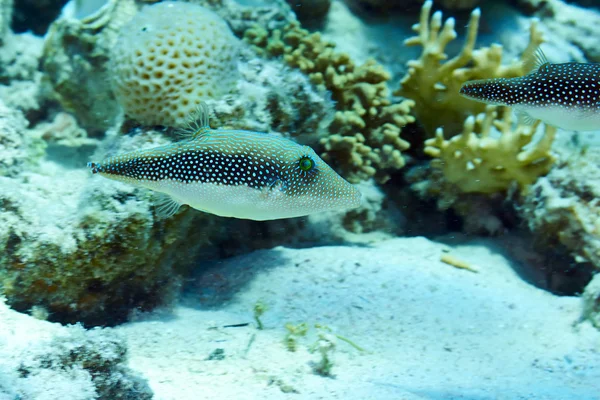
{"x": 427, "y": 331}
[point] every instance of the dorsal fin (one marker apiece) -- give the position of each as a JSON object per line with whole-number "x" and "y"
{"x": 536, "y": 61}
{"x": 198, "y": 122}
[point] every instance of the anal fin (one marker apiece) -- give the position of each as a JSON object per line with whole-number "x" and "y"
{"x": 166, "y": 206}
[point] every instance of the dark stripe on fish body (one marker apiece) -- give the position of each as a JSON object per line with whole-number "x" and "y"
{"x": 195, "y": 166}
{"x": 568, "y": 85}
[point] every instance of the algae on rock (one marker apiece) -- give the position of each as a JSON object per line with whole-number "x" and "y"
{"x": 562, "y": 208}
{"x": 19, "y": 148}
{"x": 90, "y": 250}
{"x": 364, "y": 140}
{"x": 434, "y": 82}
{"x": 21, "y": 83}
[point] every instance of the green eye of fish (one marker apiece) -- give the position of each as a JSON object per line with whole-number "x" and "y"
{"x": 306, "y": 164}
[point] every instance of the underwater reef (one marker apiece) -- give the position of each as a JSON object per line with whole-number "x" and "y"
{"x": 461, "y": 200}
{"x": 92, "y": 80}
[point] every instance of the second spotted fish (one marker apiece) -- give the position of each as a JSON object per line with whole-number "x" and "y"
{"x": 234, "y": 173}
{"x": 563, "y": 95}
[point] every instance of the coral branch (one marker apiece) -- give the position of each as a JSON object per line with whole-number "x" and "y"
{"x": 434, "y": 84}
{"x": 477, "y": 162}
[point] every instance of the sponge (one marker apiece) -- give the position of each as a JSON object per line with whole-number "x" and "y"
{"x": 169, "y": 58}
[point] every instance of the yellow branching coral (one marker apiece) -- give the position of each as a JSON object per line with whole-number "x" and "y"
{"x": 434, "y": 83}
{"x": 477, "y": 162}
{"x": 365, "y": 140}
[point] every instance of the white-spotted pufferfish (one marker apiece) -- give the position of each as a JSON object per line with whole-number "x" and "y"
{"x": 563, "y": 95}
{"x": 234, "y": 173}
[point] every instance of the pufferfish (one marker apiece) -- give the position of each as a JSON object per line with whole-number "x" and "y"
{"x": 563, "y": 95}
{"x": 234, "y": 173}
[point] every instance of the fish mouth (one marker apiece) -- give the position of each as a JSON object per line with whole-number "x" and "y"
{"x": 488, "y": 91}
{"x": 473, "y": 89}
{"x": 463, "y": 92}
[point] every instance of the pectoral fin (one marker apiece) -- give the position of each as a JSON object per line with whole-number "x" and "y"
{"x": 166, "y": 206}
{"x": 276, "y": 188}
{"x": 524, "y": 119}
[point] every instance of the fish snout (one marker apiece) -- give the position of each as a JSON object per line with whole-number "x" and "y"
{"x": 490, "y": 91}
{"x": 344, "y": 194}
{"x": 472, "y": 89}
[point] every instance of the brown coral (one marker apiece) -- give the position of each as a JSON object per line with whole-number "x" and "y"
{"x": 365, "y": 140}
{"x": 481, "y": 163}
{"x": 434, "y": 84}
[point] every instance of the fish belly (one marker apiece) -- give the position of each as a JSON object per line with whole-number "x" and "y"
{"x": 573, "y": 119}
{"x": 229, "y": 201}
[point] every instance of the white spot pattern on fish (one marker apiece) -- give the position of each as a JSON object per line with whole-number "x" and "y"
{"x": 564, "y": 95}
{"x": 235, "y": 173}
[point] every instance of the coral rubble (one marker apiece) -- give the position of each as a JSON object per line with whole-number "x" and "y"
{"x": 480, "y": 163}
{"x": 41, "y": 360}
{"x": 21, "y": 83}
{"x": 365, "y": 133}
{"x": 433, "y": 82}
{"x": 18, "y": 147}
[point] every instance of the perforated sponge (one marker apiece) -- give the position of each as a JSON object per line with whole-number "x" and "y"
{"x": 170, "y": 57}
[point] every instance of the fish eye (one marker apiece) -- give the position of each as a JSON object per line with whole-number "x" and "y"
{"x": 306, "y": 164}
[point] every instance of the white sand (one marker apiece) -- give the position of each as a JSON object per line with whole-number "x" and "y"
{"x": 431, "y": 331}
{"x": 22, "y": 340}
